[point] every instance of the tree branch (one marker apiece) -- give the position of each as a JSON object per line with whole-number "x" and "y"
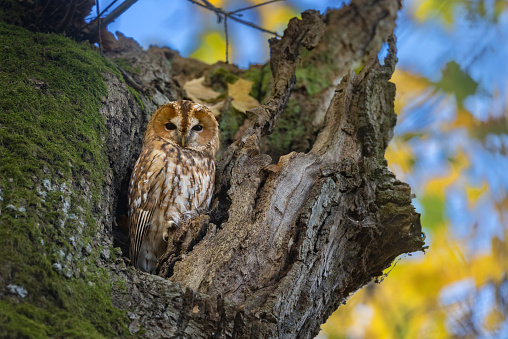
{"x": 221, "y": 14}
{"x": 227, "y": 38}
{"x": 93, "y": 27}
{"x": 254, "y": 6}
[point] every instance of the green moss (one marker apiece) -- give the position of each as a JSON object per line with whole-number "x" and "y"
{"x": 359, "y": 69}
{"x": 126, "y": 65}
{"x": 36, "y": 321}
{"x": 290, "y": 129}
{"x": 315, "y": 73}
{"x": 136, "y": 95}
{"x": 261, "y": 78}
{"x": 315, "y": 79}
{"x": 219, "y": 79}
{"x": 229, "y": 123}
{"x": 53, "y": 167}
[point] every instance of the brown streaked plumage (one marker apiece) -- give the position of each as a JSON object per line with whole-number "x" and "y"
{"x": 173, "y": 178}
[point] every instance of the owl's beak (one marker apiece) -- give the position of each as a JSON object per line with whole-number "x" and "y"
{"x": 183, "y": 140}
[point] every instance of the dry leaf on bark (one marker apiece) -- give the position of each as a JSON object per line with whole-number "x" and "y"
{"x": 199, "y": 93}
{"x": 239, "y": 92}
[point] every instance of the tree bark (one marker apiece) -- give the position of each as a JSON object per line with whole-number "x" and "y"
{"x": 284, "y": 244}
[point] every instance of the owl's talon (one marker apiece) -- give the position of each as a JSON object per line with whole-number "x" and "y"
{"x": 165, "y": 235}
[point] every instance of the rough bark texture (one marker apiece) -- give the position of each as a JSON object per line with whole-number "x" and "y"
{"x": 285, "y": 244}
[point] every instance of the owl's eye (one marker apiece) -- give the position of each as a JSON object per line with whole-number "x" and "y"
{"x": 197, "y": 128}
{"x": 170, "y": 126}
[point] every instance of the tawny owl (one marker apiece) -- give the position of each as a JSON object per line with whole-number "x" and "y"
{"x": 173, "y": 178}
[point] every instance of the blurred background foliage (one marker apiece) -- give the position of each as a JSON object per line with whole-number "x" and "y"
{"x": 450, "y": 145}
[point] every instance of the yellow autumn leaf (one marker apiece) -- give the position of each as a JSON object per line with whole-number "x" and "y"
{"x": 202, "y": 94}
{"x": 409, "y": 87}
{"x": 199, "y": 92}
{"x": 485, "y": 269}
{"x": 399, "y": 155}
{"x": 493, "y": 319}
{"x": 438, "y": 186}
{"x": 276, "y": 16}
{"x": 464, "y": 119}
{"x": 408, "y": 82}
{"x": 239, "y": 92}
{"x": 211, "y": 49}
{"x": 443, "y": 9}
{"x": 217, "y": 3}
{"x": 478, "y": 129}
{"x": 474, "y": 193}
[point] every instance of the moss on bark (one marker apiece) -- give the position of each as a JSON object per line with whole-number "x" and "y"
{"x": 52, "y": 172}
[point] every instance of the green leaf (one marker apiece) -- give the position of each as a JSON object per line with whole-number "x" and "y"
{"x": 433, "y": 211}
{"x": 457, "y": 82}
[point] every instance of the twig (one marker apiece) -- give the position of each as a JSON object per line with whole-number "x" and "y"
{"x": 92, "y": 21}
{"x": 94, "y": 27}
{"x": 224, "y": 15}
{"x": 227, "y": 40}
{"x": 254, "y": 6}
{"x": 211, "y": 6}
{"x": 106, "y": 9}
{"x": 253, "y": 25}
{"x": 118, "y": 11}
{"x": 44, "y": 9}
{"x": 99, "y": 24}
{"x": 220, "y": 12}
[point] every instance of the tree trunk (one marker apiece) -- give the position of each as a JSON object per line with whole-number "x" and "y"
{"x": 285, "y": 244}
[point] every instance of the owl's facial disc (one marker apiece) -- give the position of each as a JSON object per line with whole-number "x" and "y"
{"x": 190, "y": 133}
{"x": 188, "y": 125}
{"x": 173, "y": 130}
{"x": 179, "y": 131}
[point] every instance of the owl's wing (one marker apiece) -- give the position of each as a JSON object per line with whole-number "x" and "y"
{"x": 205, "y": 189}
{"x": 144, "y": 192}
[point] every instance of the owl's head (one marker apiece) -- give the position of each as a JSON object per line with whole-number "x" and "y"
{"x": 187, "y": 125}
